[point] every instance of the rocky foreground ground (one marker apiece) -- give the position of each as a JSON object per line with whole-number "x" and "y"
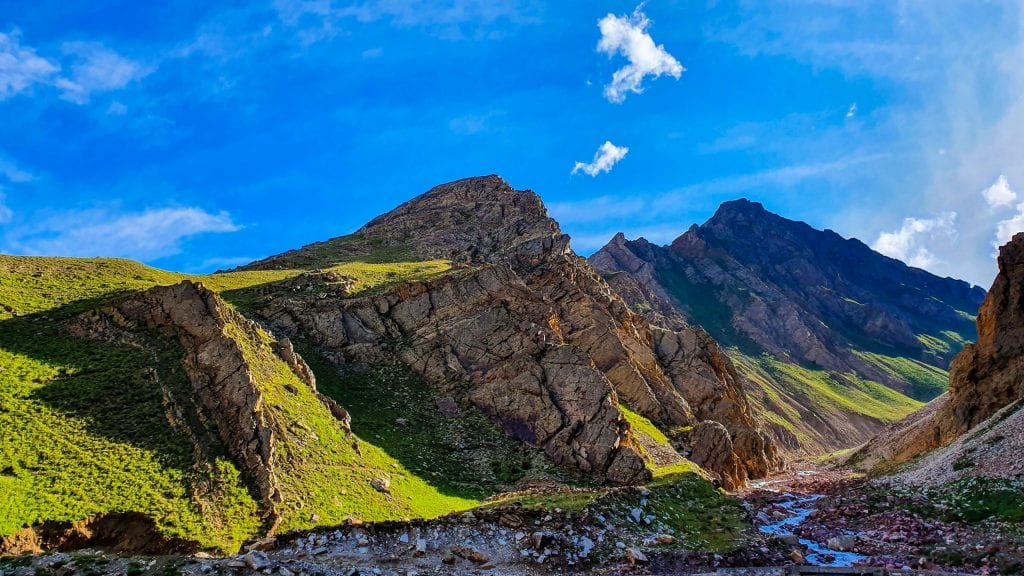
{"x": 632, "y": 532}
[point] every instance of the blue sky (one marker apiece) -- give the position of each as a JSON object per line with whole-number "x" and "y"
{"x": 201, "y": 135}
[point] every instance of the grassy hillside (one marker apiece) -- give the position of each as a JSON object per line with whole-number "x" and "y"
{"x": 85, "y": 427}
{"x": 814, "y": 405}
{"x": 85, "y": 431}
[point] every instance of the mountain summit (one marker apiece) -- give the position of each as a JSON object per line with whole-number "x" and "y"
{"x": 839, "y": 337}
{"x": 545, "y": 346}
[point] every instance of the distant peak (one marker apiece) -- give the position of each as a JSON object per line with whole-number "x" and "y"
{"x": 741, "y": 206}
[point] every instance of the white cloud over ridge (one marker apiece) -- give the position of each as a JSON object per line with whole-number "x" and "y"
{"x": 913, "y": 242}
{"x": 607, "y": 156}
{"x": 148, "y": 235}
{"x": 628, "y": 36}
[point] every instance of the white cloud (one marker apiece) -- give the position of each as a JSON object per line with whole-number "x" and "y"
{"x": 606, "y": 156}
{"x": 146, "y": 235}
{"x": 912, "y": 242}
{"x": 93, "y": 69}
{"x": 627, "y": 35}
{"x": 999, "y": 193}
{"x": 5, "y": 213}
{"x": 1006, "y": 229}
{"x": 21, "y": 67}
{"x": 852, "y": 111}
{"x": 96, "y": 69}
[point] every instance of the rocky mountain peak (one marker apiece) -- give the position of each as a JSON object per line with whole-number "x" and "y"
{"x": 480, "y": 219}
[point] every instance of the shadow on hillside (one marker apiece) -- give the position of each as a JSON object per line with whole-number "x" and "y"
{"x": 106, "y": 386}
{"x": 454, "y": 448}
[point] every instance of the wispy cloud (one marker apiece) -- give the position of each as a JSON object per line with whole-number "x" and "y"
{"x": 607, "y": 156}
{"x": 85, "y": 68}
{"x": 596, "y": 209}
{"x": 912, "y": 243}
{"x": 317, "y": 20}
{"x": 852, "y": 111}
{"x": 222, "y": 263}
{"x": 470, "y": 124}
{"x": 13, "y": 173}
{"x": 146, "y": 235}
{"x": 95, "y": 69}
{"x": 20, "y": 67}
{"x": 628, "y": 36}
{"x": 5, "y": 213}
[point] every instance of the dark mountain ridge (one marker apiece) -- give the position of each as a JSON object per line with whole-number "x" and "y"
{"x": 802, "y": 307}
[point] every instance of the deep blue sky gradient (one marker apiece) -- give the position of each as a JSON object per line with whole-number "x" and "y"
{"x": 303, "y": 129}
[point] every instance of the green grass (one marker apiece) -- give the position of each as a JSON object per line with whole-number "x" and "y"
{"x": 85, "y": 428}
{"x": 926, "y": 381}
{"x": 642, "y": 425}
{"x": 851, "y": 394}
{"x": 29, "y": 284}
{"x": 331, "y": 252}
{"x": 85, "y": 432}
{"x": 324, "y": 480}
{"x": 700, "y": 516}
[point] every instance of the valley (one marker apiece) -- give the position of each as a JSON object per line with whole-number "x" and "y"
{"x": 452, "y": 389}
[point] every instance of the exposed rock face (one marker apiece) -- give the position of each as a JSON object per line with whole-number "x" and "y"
{"x": 986, "y": 384}
{"x": 215, "y": 365}
{"x": 765, "y": 284}
{"x": 989, "y": 375}
{"x": 547, "y": 347}
{"x": 711, "y": 443}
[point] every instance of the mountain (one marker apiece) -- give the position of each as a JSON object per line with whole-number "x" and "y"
{"x": 525, "y": 331}
{"x": 449, "y": 351}
{"x": 836, "y": 339}
{"x": 976, "y": 428}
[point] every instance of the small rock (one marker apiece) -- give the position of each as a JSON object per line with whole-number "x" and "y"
{"x": 635, "y": 556}
{"x": 262, "y": 544}
{"x": 842, "y": 543}
{"x": 472, "y": 555}
{"x": 256, "y": 560}
{"x": 380, "y": 484}
{"x": 796, "y": 556}
{"x": 421, "y": 547}
{"x": 636, "y": 514}
{"x": 665, "y": 539}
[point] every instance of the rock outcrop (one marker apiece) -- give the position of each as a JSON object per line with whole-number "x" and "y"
{"x": 547, "y": 348}
{"x": 986, "y": 387}
{"x": 762, "y": 284}
{"x": 197, "y": 320}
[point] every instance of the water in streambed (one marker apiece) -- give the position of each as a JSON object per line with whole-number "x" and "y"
{"x": 818, "y": 552}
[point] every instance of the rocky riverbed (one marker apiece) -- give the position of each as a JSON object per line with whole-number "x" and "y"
{"x": 801, "y": 518}
{"x": 833, "y": 519}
